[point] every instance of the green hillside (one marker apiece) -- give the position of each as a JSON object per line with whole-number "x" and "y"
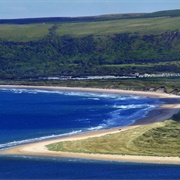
{"x": 101, "y": 45}
{"x": 142, "y": 26}
{"x": 23, "y": 33}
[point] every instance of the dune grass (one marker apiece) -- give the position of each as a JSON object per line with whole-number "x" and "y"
{"x": 164, "y": 141}
{"x": 158, "y": 139}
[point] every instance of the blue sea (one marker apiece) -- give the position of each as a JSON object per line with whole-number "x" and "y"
{"x": 29, "y": 115}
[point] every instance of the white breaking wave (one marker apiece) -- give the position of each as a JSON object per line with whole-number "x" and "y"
{"x": 32, "y": 91}
{"x": 94, "y": 96}
{"x": 115, "y": 118}
{"x": 15, "y": 143}
{"x": 90, "y": 95}
{"x": 97, "y": 127}
{"x": 97, "y": 99}
{"x": 132, "y": 106}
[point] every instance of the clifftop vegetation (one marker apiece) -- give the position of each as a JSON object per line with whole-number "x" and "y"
{"x": 100, "y": 45}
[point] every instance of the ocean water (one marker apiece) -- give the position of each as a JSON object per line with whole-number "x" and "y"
{"x": 29, "y": 115}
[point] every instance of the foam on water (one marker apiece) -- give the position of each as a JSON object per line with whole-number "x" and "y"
{"x": 94, "y": 96}
{"x": 119, "y": 118}
{"x": 15, "y": 143}
{"x": 115, "y": 112}
{"x": 102, "y": 126}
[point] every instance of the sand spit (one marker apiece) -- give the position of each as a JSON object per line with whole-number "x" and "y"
{"x": 165, "y": 111}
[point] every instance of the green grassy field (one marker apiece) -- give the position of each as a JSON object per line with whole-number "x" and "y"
{"x": 159, "y": 139}
{"x": 143, "y": 26}
{"x": 28, "y": 32}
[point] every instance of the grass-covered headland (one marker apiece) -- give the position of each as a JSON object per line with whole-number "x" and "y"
{"x": 100, "y": 45}
{"x": 159, "y": 139}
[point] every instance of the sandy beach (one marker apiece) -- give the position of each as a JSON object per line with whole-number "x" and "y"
{"x": 165, "y": 111}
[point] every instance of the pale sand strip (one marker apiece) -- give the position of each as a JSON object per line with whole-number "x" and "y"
{"x": 171, "y": 106}
{"x": 39, "y": 149}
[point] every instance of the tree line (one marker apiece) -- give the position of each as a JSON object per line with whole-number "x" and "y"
{"x": 117, "y": 54}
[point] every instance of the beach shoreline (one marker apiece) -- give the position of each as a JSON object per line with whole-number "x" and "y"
{"x": 165, "y": 111}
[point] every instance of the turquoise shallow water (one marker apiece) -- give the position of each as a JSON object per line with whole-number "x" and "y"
{"x": 33, "y": 115}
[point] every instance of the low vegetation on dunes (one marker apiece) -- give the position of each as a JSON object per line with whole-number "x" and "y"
{"x": 158, "y": 139}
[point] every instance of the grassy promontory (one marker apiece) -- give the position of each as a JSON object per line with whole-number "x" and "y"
{"x": 158, "y": 139}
